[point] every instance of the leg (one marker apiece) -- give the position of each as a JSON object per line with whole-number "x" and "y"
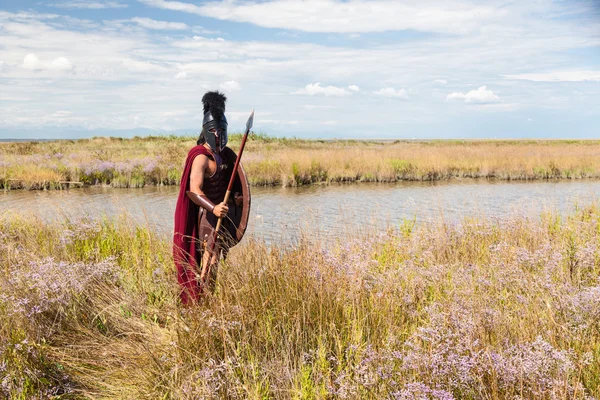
{"x": 210, "y": 278}
{"x": 214, "y": 269}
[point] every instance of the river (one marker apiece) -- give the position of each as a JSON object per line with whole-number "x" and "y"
{"x": 281, "y": 214}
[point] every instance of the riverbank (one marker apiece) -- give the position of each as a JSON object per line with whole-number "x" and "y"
{"x": 479, "y": 309}
{"x": 146, "y": 161}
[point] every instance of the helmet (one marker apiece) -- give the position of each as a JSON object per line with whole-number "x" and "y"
{"x": 214, "y": 124}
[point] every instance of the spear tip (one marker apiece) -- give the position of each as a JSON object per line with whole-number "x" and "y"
{"x": 250, "y": 121}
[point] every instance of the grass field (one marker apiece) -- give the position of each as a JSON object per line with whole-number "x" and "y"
{"x": 476, "y": 310}
{"x": 291, "y": 162}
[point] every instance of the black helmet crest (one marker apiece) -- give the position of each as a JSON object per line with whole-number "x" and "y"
{"x": 214, "y": 103}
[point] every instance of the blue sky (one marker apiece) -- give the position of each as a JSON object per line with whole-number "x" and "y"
{"x": 310, "y": 68}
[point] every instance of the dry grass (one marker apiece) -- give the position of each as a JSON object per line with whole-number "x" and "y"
{"x": 290, "y": 162}
{"x": 479, "y": 310}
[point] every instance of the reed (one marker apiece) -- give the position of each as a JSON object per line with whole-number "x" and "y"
{"x": 482, "y": 309}
{"x": 291, "y": 162}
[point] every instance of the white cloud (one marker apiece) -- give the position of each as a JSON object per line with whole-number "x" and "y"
{"x": 440, "y": 81}
{"x": 496, "y": 107}
{"x": 314, "y": 106}
{"x": 203, "y": 31}
{"x": 279, "y": 122}
{"x": 559, "y": 76}
{"x": 353, "y": 16}
{"x": 27, "y": 16}
{"x": 230, "y": 86}
{"x": 174, "y": 5}
{"x": 93, "y": 5}
{"x": 242, "y": 116}
{"x": 354, "y": 88}
{"x": 481, "y": 96}
{"x": 145, "y": 82}
{"x": 61, "y": 64}
{"x": 31, "y": 61}
{"x": 315, "y": 89}
{"x": 293, "y": 35}
{"x": 140, "y": 66}
{"x": 62, "y": 114}
{"x": 202, "y": 38}
{"x": 391, "y": 92}
{"x": 159, "y": 25}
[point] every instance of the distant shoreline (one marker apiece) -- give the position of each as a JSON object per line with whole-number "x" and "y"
{"x": 270, "y": 161}
{"x": 29, "y": 140}
{"x": 336, "y": 139}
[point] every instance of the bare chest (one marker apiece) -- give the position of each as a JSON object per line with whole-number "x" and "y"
{"x": 211, "y": 168}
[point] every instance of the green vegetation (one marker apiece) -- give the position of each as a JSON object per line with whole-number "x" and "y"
{"x": 478, "y": 310}
{"x": 158, "y": 160}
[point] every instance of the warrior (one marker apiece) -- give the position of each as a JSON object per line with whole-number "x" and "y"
{"x": 208, "y": 169}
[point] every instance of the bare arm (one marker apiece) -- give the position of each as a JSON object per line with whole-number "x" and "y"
{"x": 199, "y": 167}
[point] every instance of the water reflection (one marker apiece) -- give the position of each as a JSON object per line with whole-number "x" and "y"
{"x": 279, "y": 214}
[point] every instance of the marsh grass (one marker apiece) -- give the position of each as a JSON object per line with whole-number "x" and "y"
{"x": 292, "y": 162}
{"x": 482, "y": 310}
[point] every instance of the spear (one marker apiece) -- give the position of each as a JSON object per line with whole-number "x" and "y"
{"x": 206, "y": 267}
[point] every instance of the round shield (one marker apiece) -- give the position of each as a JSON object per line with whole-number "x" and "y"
{"x": 234, "y": 225}
{"x": 239, "y": 214}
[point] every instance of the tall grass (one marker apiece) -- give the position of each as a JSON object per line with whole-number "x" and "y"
{"x": 478, "y": 310}
{"x": 291, "y": 162}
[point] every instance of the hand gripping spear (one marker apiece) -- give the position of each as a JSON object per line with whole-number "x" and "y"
{"x": 206, "y": 267}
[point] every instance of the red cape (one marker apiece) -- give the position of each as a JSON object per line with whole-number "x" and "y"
{"x": 186, "y": 237}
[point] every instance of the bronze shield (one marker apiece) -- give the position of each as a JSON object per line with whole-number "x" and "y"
{"x": 234, "y": 226}
{"x": 239, "y": 215}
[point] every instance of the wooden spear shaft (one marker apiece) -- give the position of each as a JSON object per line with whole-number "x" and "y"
{"x": 206, "y": 267}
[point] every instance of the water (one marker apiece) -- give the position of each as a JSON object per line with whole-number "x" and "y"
{"x": 280, "y": 214}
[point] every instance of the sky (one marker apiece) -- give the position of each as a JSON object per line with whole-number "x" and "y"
{"x": 369, "y": 69}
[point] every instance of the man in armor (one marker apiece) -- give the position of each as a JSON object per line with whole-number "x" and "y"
{"x": 205, "y": 178}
